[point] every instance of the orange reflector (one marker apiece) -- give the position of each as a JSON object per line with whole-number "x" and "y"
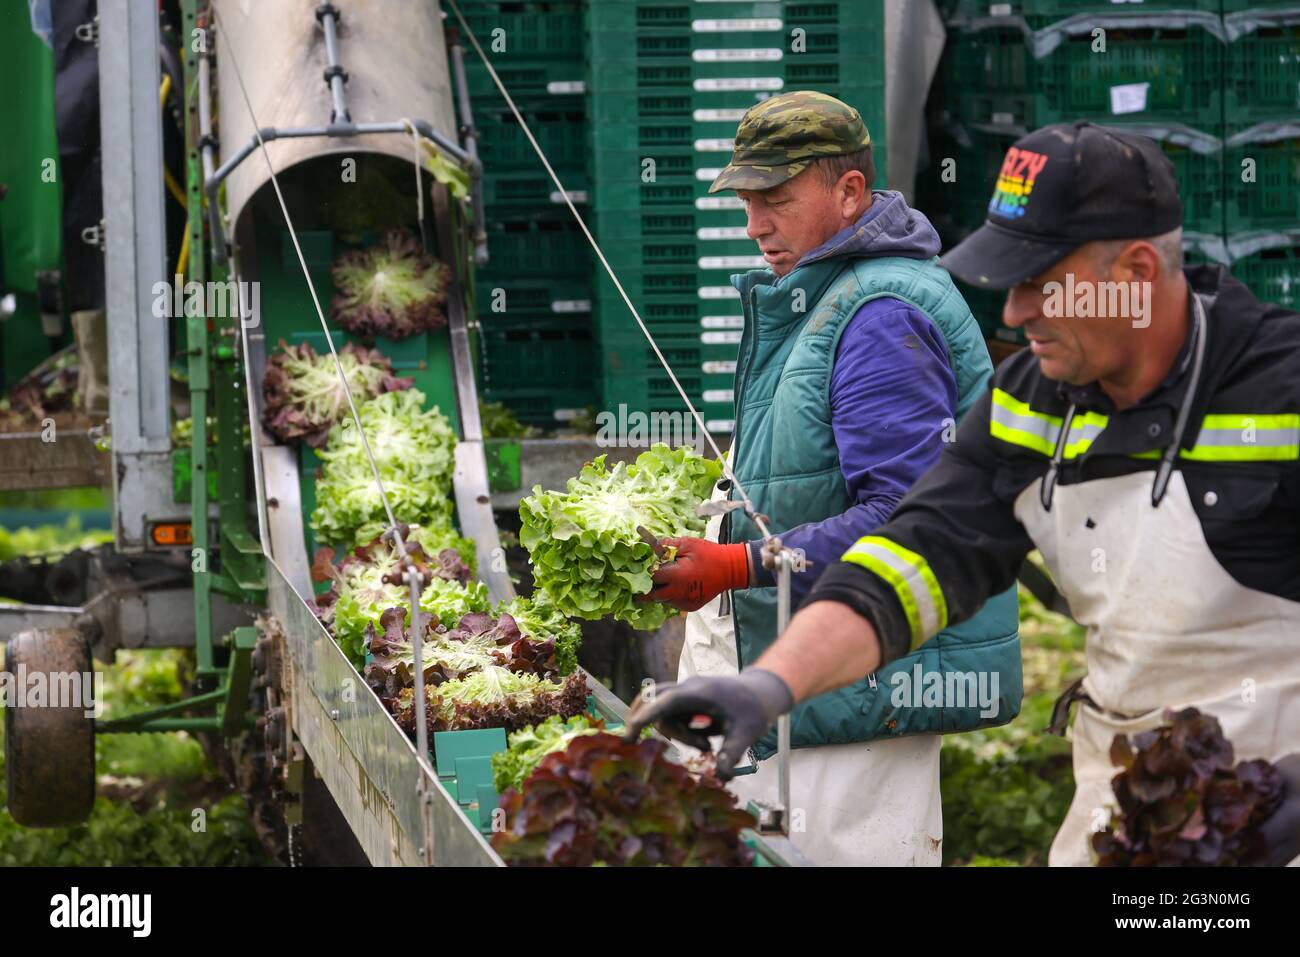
{"x": 173, "y": 533}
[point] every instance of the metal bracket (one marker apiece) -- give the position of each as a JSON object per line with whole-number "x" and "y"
{"x": 88, "y": 32}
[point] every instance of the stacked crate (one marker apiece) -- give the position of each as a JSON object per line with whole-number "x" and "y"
{"x": 1216, "y": 81}
{"x": 1262, "y": 147}
{"x": 667, "y": 83}
{"x": 533, "y": 299}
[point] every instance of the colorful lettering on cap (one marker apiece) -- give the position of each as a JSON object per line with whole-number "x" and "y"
{"x": 1015, "y": 182}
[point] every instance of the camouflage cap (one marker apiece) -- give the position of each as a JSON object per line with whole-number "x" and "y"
{"x": 778, "y": 138}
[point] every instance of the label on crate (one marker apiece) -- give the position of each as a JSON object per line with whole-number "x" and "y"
{"x": 722, "y": 232}
{"x": 732, "y": 262}
{"x": 1129, "y": 98}
{"x": 739, "y": 55}
{"x": 719, "y": 292}
{"x": 575, "y": 195}
{"x": 722, "y": 322}
{"x": 720, "y": 425}
{"x": 716, "y": 395}
{"x": 565, "y": 87}
{"x": 709, "y": 173}
{"x": 719, "y": 367}
{"x": 720, "y": 338}
{"x": 719, "y": 145}
{"x": 1003, "y": 119}
{"x": 571, "y": 305}
{"x": 719, "y": 202}
{"x": 737, "y": 25}
{"x": 720, "y": 115}
{"x": 563, "y": 415}
{"x": 726, "y": 83}
{"x": 1004, "y": 9}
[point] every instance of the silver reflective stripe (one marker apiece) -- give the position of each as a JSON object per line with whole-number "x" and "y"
{"x": 1261, "y": 438}
{"x": 1032, "y": 424}
{"x": 915, "y": 584}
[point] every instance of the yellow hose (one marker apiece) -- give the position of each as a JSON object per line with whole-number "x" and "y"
{"x": 183, "y": 259}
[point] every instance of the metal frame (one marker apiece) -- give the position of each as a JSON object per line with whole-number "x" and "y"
{"x": 134, "y": 261}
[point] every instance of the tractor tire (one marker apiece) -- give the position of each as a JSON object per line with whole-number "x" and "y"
{"x": 49, "y": 751}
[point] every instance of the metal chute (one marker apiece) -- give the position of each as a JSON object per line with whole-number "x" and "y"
{"x": 392, "y": 52}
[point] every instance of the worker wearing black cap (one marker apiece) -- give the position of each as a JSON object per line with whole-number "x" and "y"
{"x": 1147, "y": 443}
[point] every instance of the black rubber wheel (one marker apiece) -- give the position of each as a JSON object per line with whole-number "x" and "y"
{"x": 49, "y": 751}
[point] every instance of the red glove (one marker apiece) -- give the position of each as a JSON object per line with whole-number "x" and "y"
{"x": 701, "y": 571}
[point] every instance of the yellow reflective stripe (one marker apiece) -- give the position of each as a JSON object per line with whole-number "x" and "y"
{"x": 1242, "y": 453}
{"x": 912, "y": 579}
{"x": 1238, "y": 437}
{"x": 1014, "y": 422}
{"x": 1091, "y": 424}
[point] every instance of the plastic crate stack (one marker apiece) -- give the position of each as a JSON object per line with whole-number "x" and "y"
{"x": 1262, "y": 147}
{"x": 533, "y": 299}
{"x": 1215, "y": 81}
{"x": 667, "y": 83}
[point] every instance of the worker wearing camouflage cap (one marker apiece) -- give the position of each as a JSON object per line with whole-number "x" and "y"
{"x": 857, "y": 357}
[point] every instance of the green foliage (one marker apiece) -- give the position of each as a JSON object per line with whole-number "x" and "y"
{"x": 119, "y": 835}
{"x": 498, "y": 422}
{"x": 414, "y": 452}
{"x": 50, "y": 540}
{"x": 150, "y": 786}
{"x": 1007, "y": 789}
{"x": 584, "y": 545}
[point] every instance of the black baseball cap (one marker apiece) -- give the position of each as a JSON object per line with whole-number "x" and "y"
{"x": 1060, "y": 187}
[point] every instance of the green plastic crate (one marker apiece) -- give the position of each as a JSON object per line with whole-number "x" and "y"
{"x": 519, "y": 300}
{"x": 532, "y": 85}
{"x": 1262, "y": 75}
{"x": 655, "y": 396}
{"x": 538, "y": 368}
{"x": 1272, "y": 201}
{"x": 546, "y": 245}
{"x": 533, "y": 33}
{"x": 536, "y": 190}
{"x": 1040, "y": 12}
{"x": 1273, "y": 275}
{"x": 1000, "y": 83}
{"x": 560, "y": 132}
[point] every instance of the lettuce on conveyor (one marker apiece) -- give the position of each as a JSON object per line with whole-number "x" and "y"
{"x": 369, "y": 581}
{"x": 584, "y": 545}
{"x": 603, "y": 800}
{"x": 304, "y": 396}
{"x": 414, "y": 449}
{"x": 392, "y": 289}
{"x": 538, "y": 617}
{"x": 511, "y": 767}
{"x": 493, "y": 697}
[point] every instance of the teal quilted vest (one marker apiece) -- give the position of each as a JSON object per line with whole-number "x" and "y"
{"x": 786, "y": 458}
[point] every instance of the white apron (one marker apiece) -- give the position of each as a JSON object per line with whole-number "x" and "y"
{"x": 1167, "y": 628}
{"x": 870, "y": 804}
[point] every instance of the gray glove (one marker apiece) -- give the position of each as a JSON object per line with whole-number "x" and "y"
{"x": 1282, "y": 829}
{"x": 740, "y": 708}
